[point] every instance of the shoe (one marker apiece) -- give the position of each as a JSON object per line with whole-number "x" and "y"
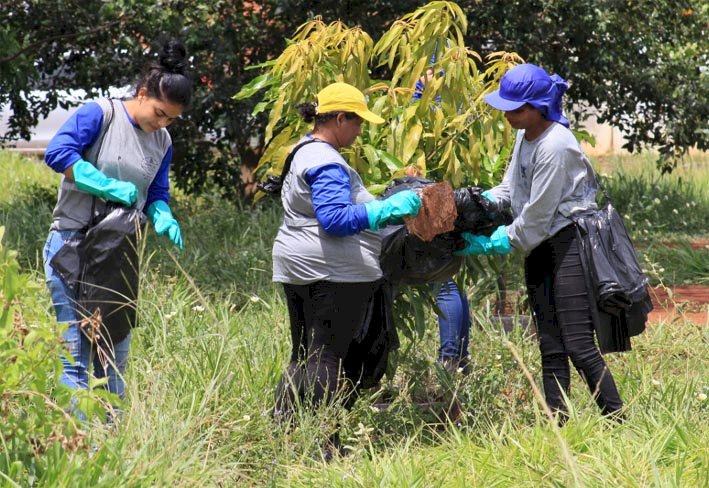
{"x": 333, "y": 448}
{"x": 455, "y": 366}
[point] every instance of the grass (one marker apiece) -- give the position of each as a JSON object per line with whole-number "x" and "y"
{"x": 214, "y": 339}
{"x": 663, "y": 214}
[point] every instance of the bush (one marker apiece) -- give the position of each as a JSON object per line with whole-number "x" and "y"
{"x": 37, "y": 430}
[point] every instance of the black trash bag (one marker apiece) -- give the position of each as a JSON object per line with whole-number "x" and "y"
{"x": 477, "y": 214}
{"x": 409, "y": 260}
{"x": 618, "y": 283}
{"x": 368, "y": 355}
{"x": 102, "y": 268}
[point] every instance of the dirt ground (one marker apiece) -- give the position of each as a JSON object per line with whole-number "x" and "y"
{"x": 696, "y": 244}
{"x": 686, "y": 302}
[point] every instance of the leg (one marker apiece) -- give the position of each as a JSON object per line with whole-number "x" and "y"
{"x": 110, "y": 362}
{"x": 290, "y": 384}
{"x": 453, "y": 322}
{"x": 555, "y": 363}
{"x": 337, "y": 312}
{"x": 573, "y": 314}
{"x": 75, "y": 373}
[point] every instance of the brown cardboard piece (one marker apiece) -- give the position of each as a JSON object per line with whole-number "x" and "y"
{"x": 437, "y": 214}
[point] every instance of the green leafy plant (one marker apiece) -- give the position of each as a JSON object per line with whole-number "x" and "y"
{"x": 449, "y": 134}
{"x": 37, "y": 427}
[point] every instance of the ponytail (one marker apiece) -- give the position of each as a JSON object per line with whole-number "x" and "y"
{"x": 166, "y": 79}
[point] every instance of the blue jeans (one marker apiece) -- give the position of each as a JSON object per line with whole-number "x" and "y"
{"x": 106, "y": 362}
{"x": 454, "y": 322}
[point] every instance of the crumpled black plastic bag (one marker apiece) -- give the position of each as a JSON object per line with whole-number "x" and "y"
{"x": 408, "y": 260}
{"x": 102, "y": 269}
{"x": 477, "y": 214}
{"x": 617, "y": 281}
{"x": 619, "y": 278}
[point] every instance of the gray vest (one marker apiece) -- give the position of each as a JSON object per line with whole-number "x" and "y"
{"x": 303, "y": 252}
{"x": 124, "y": 152}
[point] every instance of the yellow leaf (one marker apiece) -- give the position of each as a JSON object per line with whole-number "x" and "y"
{"x": 274, "y": 117}
{"x": 411, "y": 142}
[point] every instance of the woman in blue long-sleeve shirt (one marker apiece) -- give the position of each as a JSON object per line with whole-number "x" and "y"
{"x": 326, "y": 253}
{"x": 119, "y": 152}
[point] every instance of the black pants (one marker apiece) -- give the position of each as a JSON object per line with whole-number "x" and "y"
{"x": 325, "y": 320}
{"x": 561, "y": 304}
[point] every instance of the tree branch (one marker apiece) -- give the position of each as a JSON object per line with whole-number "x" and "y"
{"x": 57, "y": 37}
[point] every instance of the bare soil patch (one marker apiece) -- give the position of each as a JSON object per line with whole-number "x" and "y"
{"x": 686, "y": 302}
{"x": 696, "y": 244}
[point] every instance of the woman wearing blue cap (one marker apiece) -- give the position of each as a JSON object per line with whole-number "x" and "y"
{"x": 548, "y": 181}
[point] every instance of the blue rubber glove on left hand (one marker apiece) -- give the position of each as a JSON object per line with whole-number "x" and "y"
{"x": 392, "y": 210}
{"x": 489, "y": 196}
{"x": 474, "y": 244}
{"x": 497, "y": 243}
{"x": 163, "y": 222}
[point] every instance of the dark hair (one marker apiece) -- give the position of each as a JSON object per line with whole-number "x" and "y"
{"x": 308, "y": 111}
{"x": 165, "y": 79}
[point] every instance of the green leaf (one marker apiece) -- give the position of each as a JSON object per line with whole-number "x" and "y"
{"x": 411, "y": 142}
{"x": 254, "y": 86}
{"x": 391, "y": 161}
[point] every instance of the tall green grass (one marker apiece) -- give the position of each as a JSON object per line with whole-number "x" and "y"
{"x": 663, "y": 214}
{"x": 666, "y": 205}
{"x": 214, "y": 339}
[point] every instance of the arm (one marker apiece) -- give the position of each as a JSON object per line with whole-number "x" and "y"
{"x": 157, "y": 206}
{"x": 64, "y": 155}
{"x": 534, "y": 222}
{"x": 76, "y": 134}
{"x": 159, "y": 188}
{"x": 335, "y": 212}
{"x": 332, "y": 201}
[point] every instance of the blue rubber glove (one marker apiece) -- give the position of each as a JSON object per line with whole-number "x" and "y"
{"x": 163, "y": 221}
{"x": 474, "y": 244}
{"x": 489, "y": 196}
{"x": 90, "y": 180}
{"x": 499, "y": 242}
{"x": 392, "y": 209}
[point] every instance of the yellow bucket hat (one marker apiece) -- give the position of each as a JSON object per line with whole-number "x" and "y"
{"x": 341, "y": 97}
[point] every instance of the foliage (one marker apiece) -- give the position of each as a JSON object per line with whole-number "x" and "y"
{"x": 655, "y": 205}
{"x": 641, "y": 65}
{"x": 37, "y": 430}
{"x": 449, "y": 134}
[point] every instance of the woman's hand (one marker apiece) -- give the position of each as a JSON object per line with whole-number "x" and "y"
{"x": 392, "y": 210}
{"x": 497, "y": 243}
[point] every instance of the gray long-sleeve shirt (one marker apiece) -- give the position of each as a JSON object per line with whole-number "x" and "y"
{"x": 548, "y": 180}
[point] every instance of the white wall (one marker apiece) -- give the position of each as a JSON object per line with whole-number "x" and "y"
{"x": 609, "y": 140}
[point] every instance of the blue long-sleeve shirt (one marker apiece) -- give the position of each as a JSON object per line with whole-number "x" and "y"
{"x": 81, "y": 130}
{"x": 332, "y": 201}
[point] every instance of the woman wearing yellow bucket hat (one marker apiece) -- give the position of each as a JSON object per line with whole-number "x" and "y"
{"x": 326, "y": 254}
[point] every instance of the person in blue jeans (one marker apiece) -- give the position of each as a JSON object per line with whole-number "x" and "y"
{"x": 454, "y": 319}
{"x": 453, "y": 327}
{"x": 118, "y": 152}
